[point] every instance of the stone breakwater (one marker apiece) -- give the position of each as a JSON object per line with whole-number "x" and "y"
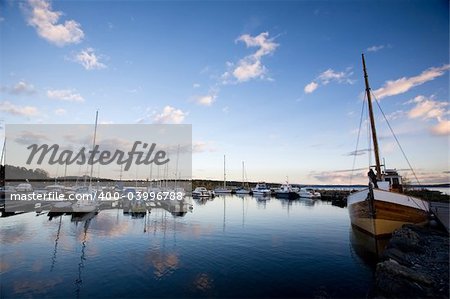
{"x": 415, "y": 264}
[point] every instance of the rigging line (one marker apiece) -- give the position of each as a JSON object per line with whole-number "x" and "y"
{"x": 357, "y": 140}
{"x": 399, "y": 145}
{"x": 396, "y": 139}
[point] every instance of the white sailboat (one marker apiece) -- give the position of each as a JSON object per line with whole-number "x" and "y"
{"x": 379, "y": 211}
{"x": 88, "y": 199}
{"x": 224, "y": 189}
{"x": 243, "y": 190}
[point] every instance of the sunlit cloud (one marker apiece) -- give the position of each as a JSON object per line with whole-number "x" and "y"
{"x": 251, "y": 67}
{"x": 68, "y": 95}
{"x": 309, "y": 88}
{"x": 328, "y": 76}
{"x": 428, "y": 108}
{"x": 170, "y": 115}
{"x": 442, "y": 128}
{"x": 206, "y": 100}
{"x": 41, "y": 16}
{"x": 404, "y": 84}
{"x": 89, "y": 60}
{"x": 20, "y": 88}
{"x": 203, "y": 146}
{"x": 375, "y": 48}
{"x": 10, "y": 108}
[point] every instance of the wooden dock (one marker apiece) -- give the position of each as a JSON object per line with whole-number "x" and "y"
{"x": 441, "y": 210}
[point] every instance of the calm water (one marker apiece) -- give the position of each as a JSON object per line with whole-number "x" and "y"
{"x": 226, "y": 247}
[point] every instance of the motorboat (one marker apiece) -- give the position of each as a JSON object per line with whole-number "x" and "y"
{"x": 286, "y": 191}
{"x": 261, "y": 189}
{"x": 202, "y": 192}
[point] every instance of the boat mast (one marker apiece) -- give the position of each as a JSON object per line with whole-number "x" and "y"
{"x": 224, "y": 174}
{"x": 372, "y": 122}
{"x": 242, "y": 174}
{"x": 93, "y": 148}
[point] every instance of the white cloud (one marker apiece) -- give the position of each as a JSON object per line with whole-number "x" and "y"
{"x": 248, "y": 69}
{"x": 195, "y": 85}
{"x": 311, "y": 87}
{"x": 20, "y": 87}
{"x": 402, "y": 85}
{"x": 10, "y": 108}
{"x": 329, "y": 76}
{"x": 89, "y": 60}
{"x": 375, "y": 48}
{"x": 23, "y": 87}
{"x": 442, "y": 128}
{"x": 41, "y": 17}
{"x": 251, "y": 67}
{"x": 68, "y": 95}
{"x": 202, "y": 146}
{"x": 206, "y": 100}
{"x": 60, "y": 112}
{"x": 427, "y": 108}
{"x": 169, "y": 115}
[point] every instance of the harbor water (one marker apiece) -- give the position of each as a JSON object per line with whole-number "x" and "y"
{"x": 229, "y": 246}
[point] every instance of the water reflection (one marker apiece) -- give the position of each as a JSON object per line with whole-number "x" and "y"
{"x": 367, "y": 248}
{"x": 55, "y": 250}
{"x": 196, "y": 248}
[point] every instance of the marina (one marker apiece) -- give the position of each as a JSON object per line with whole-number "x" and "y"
{"x": 239, "y": 149}
{"x": 228, "y": 240}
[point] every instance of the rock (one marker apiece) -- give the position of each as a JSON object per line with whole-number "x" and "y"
{"x": 397, "y": 255}
{"x": 406, "y": 240}
{"x": 395, "y": 280}
{"x": 414, "y": 265}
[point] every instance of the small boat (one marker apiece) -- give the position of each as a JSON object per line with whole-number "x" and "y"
{"x": 261, "y": 189}
{"x": 202, "y": 192}
{"x": 302, "y": 192}
{"x": 86, "y": 205}
{"x": 24, "y": 187}
{"x": 380, "y": 209}
{"x": 242, "y": 191}
{"x": 286, "y": 191}
{"x": 314, "y": 193}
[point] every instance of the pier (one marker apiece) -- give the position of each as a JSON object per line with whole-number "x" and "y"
{"x": 441, "y": 211}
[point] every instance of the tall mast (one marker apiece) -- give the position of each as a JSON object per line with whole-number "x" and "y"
{"x": 93, "y": 147}
{"x": 372, "y": 122}
{"x": 224, "y": 174}
{"x": 242, "y": 174}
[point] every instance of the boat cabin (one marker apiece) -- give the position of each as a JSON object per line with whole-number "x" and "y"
{"x": 391, "y": 181}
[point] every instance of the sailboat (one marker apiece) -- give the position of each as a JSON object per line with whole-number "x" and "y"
{"x": 380, "y": 211}
{"x": 88, "y": 202}
{"x": 243, "y": 190}
{"x": 223, "y": 189}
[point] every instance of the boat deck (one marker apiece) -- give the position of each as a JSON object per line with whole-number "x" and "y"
{"x": 441, "y": 210}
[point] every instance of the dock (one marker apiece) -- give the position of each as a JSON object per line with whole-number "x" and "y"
{"x": 441, "y": 211}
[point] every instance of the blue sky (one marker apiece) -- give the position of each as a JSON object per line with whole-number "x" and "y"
{"x": 277, "y": 84}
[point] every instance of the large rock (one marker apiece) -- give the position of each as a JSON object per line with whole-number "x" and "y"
{"x": 395, "y": 280}
{"x": 414, "y": 265}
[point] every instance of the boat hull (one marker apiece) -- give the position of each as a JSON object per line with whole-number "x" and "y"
{"x": 392, "y": 210}
{"x": 287, "y": 195}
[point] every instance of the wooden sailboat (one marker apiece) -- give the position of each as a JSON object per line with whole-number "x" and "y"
{"x": 379, "y": 211}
